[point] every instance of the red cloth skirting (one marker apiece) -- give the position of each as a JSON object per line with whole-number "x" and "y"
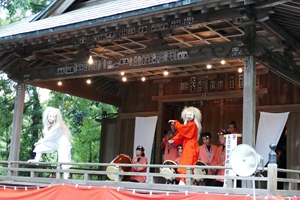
{"x": 64, "y": 192}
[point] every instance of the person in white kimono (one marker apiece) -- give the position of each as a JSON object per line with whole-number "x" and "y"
{"x": 57, "y": 137}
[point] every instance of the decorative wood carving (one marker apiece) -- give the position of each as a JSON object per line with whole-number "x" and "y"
{"x": 148, "y": 27}
{"x": 205, "y": 96}
{"x": 175, "y": 57}
{"x": 281, "y": 65}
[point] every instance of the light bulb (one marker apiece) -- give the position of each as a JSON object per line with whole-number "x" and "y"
{"x": 223, "y": 62}
{"x": 122, "y": 73}
{"x": 59, "y": 83}
{"x": 166, "y": 72}
{"x": 208, "y": 66}
{"x": 124, "y": 79}
{"x": 240, "y": 70}
{"x": 88, "y": 81}
{"x": 143, "y": 78}
{"x": 90, "y": 61}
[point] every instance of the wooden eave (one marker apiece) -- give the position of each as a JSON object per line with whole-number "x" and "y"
{"x": 57, "y": 47}
{"x": 78, "y": 88}
{"x": 54, "y": 8}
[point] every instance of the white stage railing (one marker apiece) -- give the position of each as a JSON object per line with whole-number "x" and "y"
{"x": 44, "y": 174}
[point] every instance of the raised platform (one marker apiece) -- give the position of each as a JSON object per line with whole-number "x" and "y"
{"x": 75, "y": 192}
{"x": 21, "y": 180}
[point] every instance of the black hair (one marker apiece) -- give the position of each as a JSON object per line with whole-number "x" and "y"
{"x": 206, "y": 135}
{"x": 233, "y": 123}
{"x": 141, "y": 148}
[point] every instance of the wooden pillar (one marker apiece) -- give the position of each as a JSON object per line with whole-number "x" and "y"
{"x": 119, "y": 123}
{"x": 249, "y": 89}
{"x": 249, "y": 93}
{"x": 249, "y": 101}
{"x": 17, "y": 123}
{"x": 159, "y": 126}
{"x": 272, "y": 172}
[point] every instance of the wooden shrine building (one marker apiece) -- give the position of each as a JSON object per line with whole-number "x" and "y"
{"x": 145, "y": 38}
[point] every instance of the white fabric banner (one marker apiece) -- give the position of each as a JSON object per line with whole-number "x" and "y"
{"x": 144, "y": 135}
{"x": 231, "y": 143}
{"x": 269, "y": 130}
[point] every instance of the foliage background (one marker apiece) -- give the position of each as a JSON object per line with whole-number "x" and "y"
{"x": 79, "y": 114}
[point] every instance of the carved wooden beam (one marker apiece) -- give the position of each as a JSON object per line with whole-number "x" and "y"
{"x": 272, "y": 27}
{"x": 137, "y": 114}
{"x": 283, "y": 66}
{"x": 279, "y": 108}
{"x": 139, "y": 62}
{"x": 205, "y": 96}
{"x": 6, "y": 59}
{"x": 54, "y": 61}
{"x": 270, "y": 3}
{"x": 156, "y": 26}
{"x": 81, "y": 90}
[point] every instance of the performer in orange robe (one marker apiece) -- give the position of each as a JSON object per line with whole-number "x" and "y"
{"x": 139, "y": 159}
{"x": 170, "y": 150}
{"x": 187, "y": 136}
{"x": 207, "y": 152}
{"x": 232, "y": 128}
{"x": 220, "y": 158}
{"x": 179, "y": 149}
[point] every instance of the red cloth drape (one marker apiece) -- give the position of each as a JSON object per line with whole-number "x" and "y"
{"x": 66, "y": 192}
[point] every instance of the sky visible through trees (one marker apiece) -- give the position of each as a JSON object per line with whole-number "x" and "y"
{"x": 78, "y": 113}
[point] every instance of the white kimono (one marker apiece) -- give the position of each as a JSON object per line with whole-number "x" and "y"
{"x": 55, "y": 140}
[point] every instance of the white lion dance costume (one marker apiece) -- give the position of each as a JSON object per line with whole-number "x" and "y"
{"x": 194, "y": 113}
{"x": 57, "y": 137}
{"x": 188, "y": 135}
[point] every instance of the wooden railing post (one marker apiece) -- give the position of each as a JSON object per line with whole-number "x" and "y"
{"x": 272, "y": 172}
{"x": 9, "y": 172}
{"x": 58, "y": 167}
{"x": 117, "y": 176}
{"x": 32, "y": 174}
{"x": 86, "y": 176}
{"x": 149, "y": 177}
{"x": 188, "y": 172}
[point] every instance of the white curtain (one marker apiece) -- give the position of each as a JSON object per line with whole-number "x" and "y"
{"x": 144, "y": 135}
{"x": 269, "y": 130}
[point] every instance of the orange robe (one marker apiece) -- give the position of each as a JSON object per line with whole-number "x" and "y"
{"x": 220, "y": 161}
{"x": 170, "y": 152}
{"x": 177, "y": 160}
{"x": 143, "y": 160}
{"x": 187, "y": 136}
{"x": 208, "y": 156}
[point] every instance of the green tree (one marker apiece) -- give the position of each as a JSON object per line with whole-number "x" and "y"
{"x": 7, "y": 96}
{"x": 32, "y": 126}
{"x": 16, "y": 10}
{"x": 79, "y": 115}
{"x": 31, "y": 118}
{"x": 19, "y": 9}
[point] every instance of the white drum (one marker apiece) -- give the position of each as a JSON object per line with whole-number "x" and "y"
{"x": 112, "y": 169}
{"x": 120, "y": 159}
{"x": 200, "y": 171}
{"x": 168, "y": 172}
